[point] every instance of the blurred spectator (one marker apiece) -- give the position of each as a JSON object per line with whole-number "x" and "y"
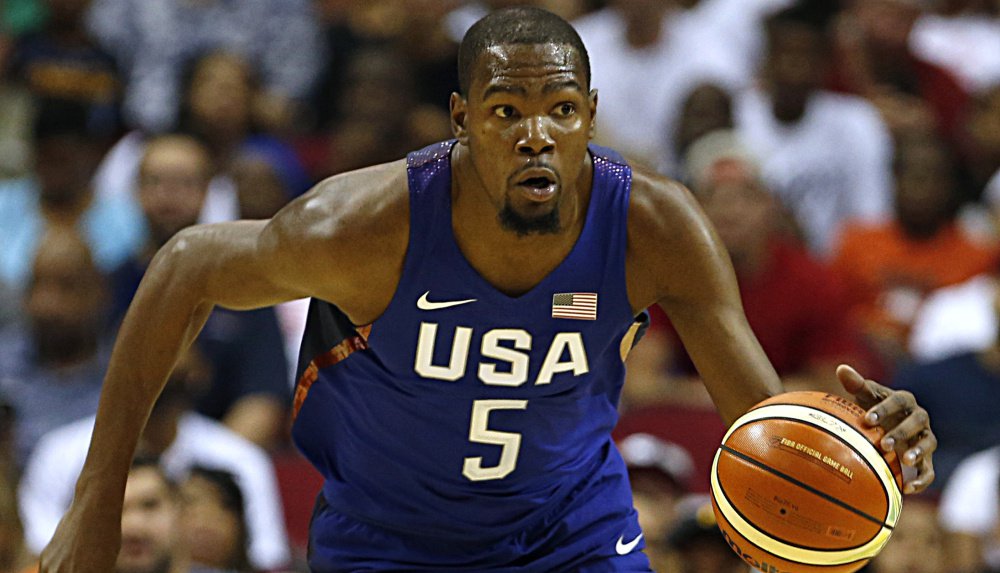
{"x": 969, "y": 513}
{"x": 646, "y": 56}
{"x": 659, "y": 472}
{"x": 61, "y": 62}
{"x": 960, "y": 40}
{"x": 14, "y": 555}
{"x": 953, "y": 390}
{"x": 707, "y": 108}
{"x": 379, "y": 118}
{"x": 267, "y": 176}
{"x": 153, "y": 39}
{"x": 8, "y": 456}
{"x": 699, "y": 546}
{"x": 218, "y": 93}
{"x": 181, "y": 439}
{"x": 66, "y": 155}
{"x": 917, "y": 544}
{"x": 826, "y": 156}
{"x": 983, "y": 150}
{"x": 21, "y": 16}
{"x": 889, "y": 268}
{"x": 250, "y": 388}
{"x": 956, "y": 319}
{"x": 52, "y": 367}
{"x": 419, "y": 33}
{"x": 212, "y": 521}
{"x": 779, "y": 281}
{"x": 15, "y": 121}
{"x": 877, "y": 63}
{"x": 151, "y": 536}
{"x": 459, "y": 20}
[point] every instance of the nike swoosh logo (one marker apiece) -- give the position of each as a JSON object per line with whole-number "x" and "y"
{"x": 424, "y": 304}
{"x": 622, "y": 548}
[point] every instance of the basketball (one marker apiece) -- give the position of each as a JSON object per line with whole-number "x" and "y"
{"x": 799, "y": 485}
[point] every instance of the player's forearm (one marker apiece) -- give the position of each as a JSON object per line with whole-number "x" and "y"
{"x": 729, "y": 359}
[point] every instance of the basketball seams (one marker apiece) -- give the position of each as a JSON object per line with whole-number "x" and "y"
{"x": 888, "y": 502}
{"x": 838, "y": 502}
{"x": 864, "y": 447}
{"x": 748, "y": 531}
{"x": 789, "y": 543}
{"x": 826, "y": 565}
{"x": 846, "y": 433}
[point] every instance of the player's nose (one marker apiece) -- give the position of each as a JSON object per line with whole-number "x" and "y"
{"x": 535, "y": 138}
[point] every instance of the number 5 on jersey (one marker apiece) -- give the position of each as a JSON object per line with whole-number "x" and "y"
{"x": 480, "y": 433}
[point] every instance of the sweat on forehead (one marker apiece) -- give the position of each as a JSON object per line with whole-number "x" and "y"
{"x": 527, "y": 61}
{"x": 520, "y": 26}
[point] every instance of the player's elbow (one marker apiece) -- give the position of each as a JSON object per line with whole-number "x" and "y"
{"x": 181, "y": 261}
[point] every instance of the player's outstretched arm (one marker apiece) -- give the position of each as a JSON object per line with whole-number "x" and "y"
{"x": 311, "y": 248}
{"x": 676, "y": 261}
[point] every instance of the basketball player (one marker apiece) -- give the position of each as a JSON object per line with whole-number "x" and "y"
{"x": 463, "y": 423}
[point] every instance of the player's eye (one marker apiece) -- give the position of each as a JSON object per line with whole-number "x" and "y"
{"x": 565, "y": 109}
{"x": 504, "y": 111}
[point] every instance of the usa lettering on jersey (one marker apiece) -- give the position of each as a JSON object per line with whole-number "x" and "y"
{"x": 507, "y": 345}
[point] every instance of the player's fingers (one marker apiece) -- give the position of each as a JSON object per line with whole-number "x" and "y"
{"x": 892, "y": 406}
{"x": 908, "y": 434}
{"x": 925, "y": 476}
{"x": 922, "y": 449}
{"x": 850, "y": 379}
{"x": 867, "y": 393}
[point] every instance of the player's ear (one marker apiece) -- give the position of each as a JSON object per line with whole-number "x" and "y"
{"x": 592, "y": 101}
{"x": 458, "y": 111}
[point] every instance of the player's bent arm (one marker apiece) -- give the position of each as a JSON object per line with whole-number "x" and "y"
{"x": 305, "y": 250}
{"x": 677, "y": 261}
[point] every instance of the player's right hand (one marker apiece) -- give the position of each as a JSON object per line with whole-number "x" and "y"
{"x": 86, "y": 541}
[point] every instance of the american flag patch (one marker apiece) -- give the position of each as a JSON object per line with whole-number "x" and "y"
{"x": 575, "y": 305}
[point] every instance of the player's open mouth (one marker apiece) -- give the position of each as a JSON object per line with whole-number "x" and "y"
{"x": 538, "y": 184}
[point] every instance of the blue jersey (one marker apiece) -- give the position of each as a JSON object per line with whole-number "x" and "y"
{"x": 465, "y": 414}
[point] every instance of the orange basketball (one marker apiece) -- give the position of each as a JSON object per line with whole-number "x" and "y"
{"x": 799, "y": 485}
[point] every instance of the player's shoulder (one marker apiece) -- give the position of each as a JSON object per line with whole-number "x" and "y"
{"x": 660, "y": 206}
{"x": 355, "y": 202}
{"x": 368, "y": 207}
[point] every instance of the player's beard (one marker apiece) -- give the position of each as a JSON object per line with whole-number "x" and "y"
{"x": 544, "y": 224}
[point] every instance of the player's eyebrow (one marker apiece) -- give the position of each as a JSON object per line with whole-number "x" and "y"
{"x": 504, "y": 88}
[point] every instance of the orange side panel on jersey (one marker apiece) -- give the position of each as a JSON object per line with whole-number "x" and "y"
{"x": 339, "y": 352}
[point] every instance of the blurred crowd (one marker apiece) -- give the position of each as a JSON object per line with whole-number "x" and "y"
{"x": 847, "y": 151}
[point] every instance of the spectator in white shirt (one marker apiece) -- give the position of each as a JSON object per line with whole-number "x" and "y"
{"x": 826, "y": 156}
{"x": 181, "y": 440}
{"x": 645, "y": 58}
{"x": 965, "y": 40}
{"x": 970, "y": 512}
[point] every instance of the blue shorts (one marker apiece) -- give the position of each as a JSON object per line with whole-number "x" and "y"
{"x": 582, "y": 535}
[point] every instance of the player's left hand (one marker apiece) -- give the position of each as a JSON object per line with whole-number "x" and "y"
{"x": 907, "y": 425}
